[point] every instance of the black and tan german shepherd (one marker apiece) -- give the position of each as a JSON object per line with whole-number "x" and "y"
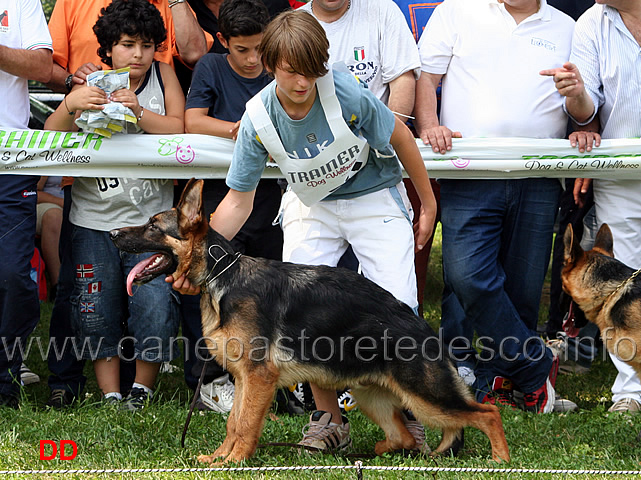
{"x": 280, "y": 323}
{"x": 608, "y": 292}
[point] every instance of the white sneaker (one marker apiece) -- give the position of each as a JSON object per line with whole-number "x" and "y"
{"x": 27, "y": 377}
{"x": 563, "y": 405}
{"x": 467, "y": 374}
{"x": 346, "y": 401}
{"x": 218, "y": 395}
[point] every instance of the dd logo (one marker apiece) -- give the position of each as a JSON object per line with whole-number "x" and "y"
{"x": 54, "y": 450}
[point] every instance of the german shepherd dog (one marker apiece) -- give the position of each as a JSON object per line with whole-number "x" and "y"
{"x": 608, "y": 292}
{"x": 284, "y": 323}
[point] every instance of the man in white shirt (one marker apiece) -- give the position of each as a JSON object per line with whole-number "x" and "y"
{"x": 25, "y": 53}
{"x": 601, "y": 80}
{"x": 497, "y": 234}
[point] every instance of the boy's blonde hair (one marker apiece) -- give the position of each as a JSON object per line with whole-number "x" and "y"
{"x": 295, "y": 37}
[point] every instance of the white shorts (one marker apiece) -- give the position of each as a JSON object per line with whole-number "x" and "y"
{"x": 378, "y": 226}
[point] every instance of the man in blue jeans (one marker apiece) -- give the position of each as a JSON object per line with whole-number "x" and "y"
{"x": 497, "y": 234}
{"x": 25, "y": 53}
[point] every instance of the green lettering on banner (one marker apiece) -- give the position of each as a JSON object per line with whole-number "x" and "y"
{"x": 34, "y": 138}
{"x": 22, "y": 138}
{"x": 69, "y": 137}
{"x": 92, "y": 137}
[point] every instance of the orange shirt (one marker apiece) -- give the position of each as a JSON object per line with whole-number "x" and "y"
{"x": 74, "y": 43}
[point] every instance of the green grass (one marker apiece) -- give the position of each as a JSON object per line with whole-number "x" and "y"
{"x": 589, "y": 439}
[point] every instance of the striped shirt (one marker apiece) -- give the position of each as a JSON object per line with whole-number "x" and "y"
{"x": 609, "y": 59}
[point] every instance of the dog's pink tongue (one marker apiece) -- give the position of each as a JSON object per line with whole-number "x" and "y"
{"x": 139, "y": 267}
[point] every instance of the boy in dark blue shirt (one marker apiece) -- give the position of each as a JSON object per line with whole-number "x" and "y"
{"x": 220, "y": 87}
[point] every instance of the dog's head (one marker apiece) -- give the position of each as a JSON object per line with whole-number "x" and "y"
{"x": 584, "y": 272}
{"x": 175, "y": 236}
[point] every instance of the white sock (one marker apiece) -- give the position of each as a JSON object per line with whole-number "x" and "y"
{"x": 115, "y": 395}
{"x": 146, "y": 389}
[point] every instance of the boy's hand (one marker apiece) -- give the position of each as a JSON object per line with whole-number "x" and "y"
{"x": 424, "y": 228}
{"x": 183, "y": 285}
{"x": 128, "y": 98}
{"x": 86, "y": 98}
{"x": 234, "y": 130}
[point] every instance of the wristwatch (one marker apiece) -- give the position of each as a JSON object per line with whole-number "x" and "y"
{"x": 69, "y": 82}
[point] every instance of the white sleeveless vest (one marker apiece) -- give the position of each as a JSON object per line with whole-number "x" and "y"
{"x": 315, "y": 178}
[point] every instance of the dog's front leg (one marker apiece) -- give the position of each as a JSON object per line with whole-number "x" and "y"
{"x": 228, "y": 444}
{"x": 253, "y": 409}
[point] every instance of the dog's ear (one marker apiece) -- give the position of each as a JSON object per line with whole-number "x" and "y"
{"x": 190, "y": 207}
{"x": 572, "y": 249}
{"x": 603, "y": 241}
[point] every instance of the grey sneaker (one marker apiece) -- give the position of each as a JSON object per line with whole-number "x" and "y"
{"x": 27, "y": 377}
{"x": 218, "y": 395}
{"x": 325, "y": 436}
{"x": 137, "y": 399}
{"x": 625, "y": 405}
{"x": 417, "y": 430}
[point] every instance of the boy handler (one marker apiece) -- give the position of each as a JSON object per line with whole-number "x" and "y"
{"x": 332, "y": 139}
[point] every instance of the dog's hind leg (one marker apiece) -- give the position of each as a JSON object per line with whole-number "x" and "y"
{"x": 488, "y": 419}
{"x": 452, "y": 420}
{"x": 384, "y": 408}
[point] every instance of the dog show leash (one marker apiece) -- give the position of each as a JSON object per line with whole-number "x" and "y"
{"x": 623, "y": 284}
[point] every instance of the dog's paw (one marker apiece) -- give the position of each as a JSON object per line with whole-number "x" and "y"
{"x": 210, "y": 459}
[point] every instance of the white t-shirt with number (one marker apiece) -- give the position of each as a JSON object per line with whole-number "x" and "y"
{"x": 106, "y": 203}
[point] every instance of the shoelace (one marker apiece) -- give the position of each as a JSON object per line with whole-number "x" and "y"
{"x": 323, "y": 432}
{"x": 57, "y": 396}
{"x": 227, "y": 391}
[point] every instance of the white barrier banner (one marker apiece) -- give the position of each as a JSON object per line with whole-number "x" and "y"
{"x": 79, "y": 154}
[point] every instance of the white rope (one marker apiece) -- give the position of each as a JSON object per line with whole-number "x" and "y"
{"x": 358, "y": 466}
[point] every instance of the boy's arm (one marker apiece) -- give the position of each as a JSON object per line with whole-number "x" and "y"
{"x": 197, "y": 120}
{"x": 232, "y": 212}
{"x": 409, "y": 155}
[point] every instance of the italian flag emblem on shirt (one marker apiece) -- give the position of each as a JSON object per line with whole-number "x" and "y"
{"x": 359, "y": 53}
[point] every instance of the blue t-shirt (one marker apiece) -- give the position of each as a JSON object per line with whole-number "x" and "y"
{"x": 216, "y": 86}
{"x": 305, "y": 138}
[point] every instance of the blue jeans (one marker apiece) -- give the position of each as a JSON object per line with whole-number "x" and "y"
{"x": 66, "y": 369}
{"x": 101, "y": 308}
{"x": 19, "y": 305}
{"x": 497, "y": 237}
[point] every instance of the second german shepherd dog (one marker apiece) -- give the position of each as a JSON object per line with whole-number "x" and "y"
{"x": 283, "y": 323}
{"x": 608, "y": 292}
